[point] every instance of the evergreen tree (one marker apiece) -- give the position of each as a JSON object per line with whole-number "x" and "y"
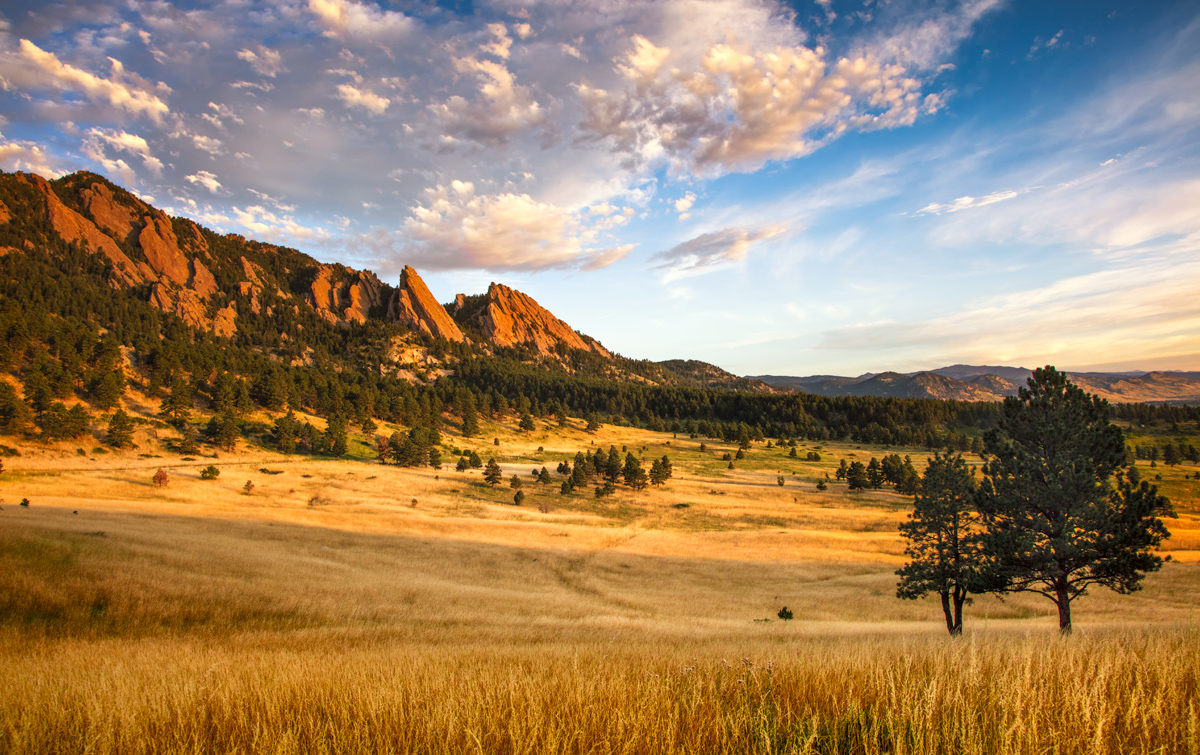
{"x": 462, "y": 465}
{"x": 435, "y": 457}
{"x": 470, "y": 424}
{"x": 223, "y": 431}
{"x": 874, "y": 474}
{"x": 120, "y": 430}
{"x": 656, "y": 473}
{"x": 286, "y": 431}
{"x": 1171, "y": 455}
{"x": 177, "y": 407}
{"x": 334, "y": 441}
{"x": 635, "y": 476}
{"x": 526, "y": 423}
{"x": 544, "y": 476}
{"x": 108, "y": 389}
{"x": 856, "y": 476}
{"x": 476, "y": 462}
{"x": 1059, "y": 518}
{"x": 943, "y": 539}
{"x": 492, "y": 474}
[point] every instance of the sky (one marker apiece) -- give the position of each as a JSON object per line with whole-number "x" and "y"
{"x": 777, "y": 188}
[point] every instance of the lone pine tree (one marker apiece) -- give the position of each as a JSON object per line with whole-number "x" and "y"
{"x": 1059, "y": 516}
{"x": 943, "y": 539}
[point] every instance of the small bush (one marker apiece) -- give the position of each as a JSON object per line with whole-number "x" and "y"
{"x": 519, "y": 497}
{"x": 785, "y": 613}
{"x": 248, "y": 488}
{"x": 210, "y": 473}
{"x": 161, "y": 479}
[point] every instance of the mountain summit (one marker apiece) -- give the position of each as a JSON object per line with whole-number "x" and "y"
{"x": 216, "y": 282}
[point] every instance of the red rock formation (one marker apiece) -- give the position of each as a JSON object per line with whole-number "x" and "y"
{"x": 119, "y": 221}
{"x": 415, "y": 307}
{"x": 510, "y": 317}
{"x": 203, "y": 281}
{"x": 365, "y": 294}
{"x": 161, "y": 247}
{"x": 74, "y": 227}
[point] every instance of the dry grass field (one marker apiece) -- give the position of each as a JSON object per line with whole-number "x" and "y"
{"x": 346, "y": 606}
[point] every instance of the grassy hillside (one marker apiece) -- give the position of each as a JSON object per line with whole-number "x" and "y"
{"x": 347, "y": 606}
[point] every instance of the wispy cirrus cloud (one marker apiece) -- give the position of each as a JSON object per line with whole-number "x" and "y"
{"x": 713, "y": 249}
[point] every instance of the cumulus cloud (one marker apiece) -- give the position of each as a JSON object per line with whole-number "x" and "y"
{"x": 715, "y": 248}
{"x": 737, "y": 107}
{"x": 269, "y": 226}
{"x": 205, "y": 179}
{"x": 27, "y": 156}
{"x": 348, "y": 18}
{"x": 502, "y": 108}
{"x": 683, "y": 205}
{"x": 456, "y": 228}
{"x": 363, "y": 98}
{"x": 264, "y": 61}
{"x": 98, "y": 139}
{"x": 120, "y": 90}
{"x": 965, "y": 203}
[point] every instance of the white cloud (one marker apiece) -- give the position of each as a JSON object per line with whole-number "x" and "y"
{"x": 207, "y": 144}
{"x": 363, "y": 98}
{"x": 348, "y": 18}
{"x": 714, "y": 249}
{"x": 503, "y": 108}
{"x": 133, "y": 144}
{"x": 737, "y": 107}
{"x": 965, "y": 203}
{"x": 27, "y": 156}
{"x": 264, "y": 61}
{"x": 205, "y": 179}
{"x": 269, "y": 226}
{"x": 456, "y": 228}
{"x": 45, "y": 69}
{"x": 501, "y": 44}
{"x": 684, "y": 204}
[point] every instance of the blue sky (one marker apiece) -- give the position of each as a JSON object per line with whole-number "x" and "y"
{"x": 816, "y": 187}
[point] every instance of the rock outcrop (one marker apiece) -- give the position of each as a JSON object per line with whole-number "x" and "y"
{"x": 415, "y": 307}
{"x": 509, "y": 317}
{"x": 210, "y": 281}
{"x": 72, "y": 226}
{"x": 340, "y": 294}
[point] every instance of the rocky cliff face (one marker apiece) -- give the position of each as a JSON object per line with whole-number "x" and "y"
{"x": 415, "y": 307}
{"x": 508, "y": 317}
{"x": 173, "y": 260}
{"x": 214, "y": 282}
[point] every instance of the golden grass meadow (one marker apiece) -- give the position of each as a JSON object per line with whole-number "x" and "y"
{"x": 345, "y": 606}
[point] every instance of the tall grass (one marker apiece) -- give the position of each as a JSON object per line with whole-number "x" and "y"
{"x": 1117, "y": 691}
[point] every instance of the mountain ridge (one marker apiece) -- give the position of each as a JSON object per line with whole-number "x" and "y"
{"x": 995, "y": 383}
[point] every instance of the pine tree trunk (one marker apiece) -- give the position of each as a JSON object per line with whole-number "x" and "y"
{"x": 953, "y": 616}
{"x": 960, "y": 595}
{"x": 946, "y": 611}
{"x": 1063, "y": 599}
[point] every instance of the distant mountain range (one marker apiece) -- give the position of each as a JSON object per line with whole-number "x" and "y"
{"x": 963, "y": 382}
